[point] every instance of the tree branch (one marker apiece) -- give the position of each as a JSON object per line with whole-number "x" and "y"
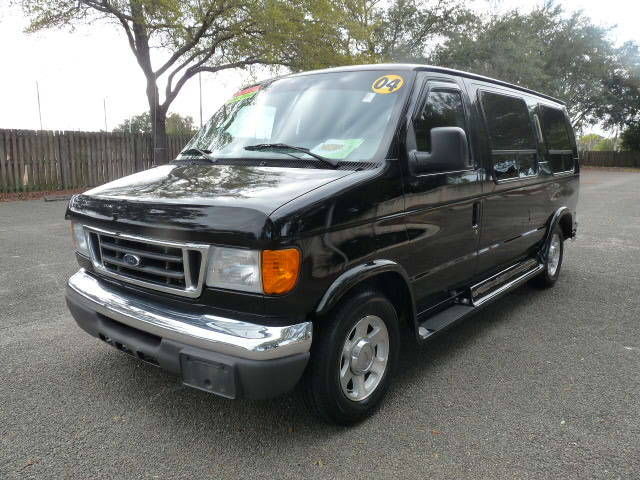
{"x": 190, "y": 72}
{"x": 182, "y": 65}
{"x": 105, "y": 7}
{"x": 206, "y": 56}
{"x": 208, "y": 20}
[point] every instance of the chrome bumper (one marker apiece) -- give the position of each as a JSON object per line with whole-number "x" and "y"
{"x": 210, "y": 332}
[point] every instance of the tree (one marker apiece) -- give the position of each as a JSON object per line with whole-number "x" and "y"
{"x": 631, "y": 137}
{"x": 622, "y": 89}
{"x": 176, "y": 124}
{"x": 174, "y": 40}
{"x": 402, "y": 29}
{"x": 589, "y": 141}
{"x": 137, "y": 124}
{"x": 605, "y": 145}
{"x": 567, "y": 57}
{"x": 179, "y": 125}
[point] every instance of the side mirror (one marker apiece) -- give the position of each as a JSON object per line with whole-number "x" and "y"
{"x": 449, "y": 151}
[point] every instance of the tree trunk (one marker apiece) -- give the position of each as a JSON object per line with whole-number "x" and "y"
{"x": 158, "y": 115}
{"x": 159, "y": 137}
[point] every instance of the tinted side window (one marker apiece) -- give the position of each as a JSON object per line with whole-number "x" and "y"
{"x": 510, "y": 130}
{"x": 556, "y": 136}
{"x": 508, "y": 122}
{"x": 508, "y": 165}
{"x": 443, "y": 108}
{"x": 554, "y": 129}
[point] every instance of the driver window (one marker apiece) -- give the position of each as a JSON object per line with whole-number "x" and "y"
{"x": 442, "y": 108}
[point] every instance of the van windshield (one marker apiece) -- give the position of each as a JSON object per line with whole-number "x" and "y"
{"x": 339, "y": 115}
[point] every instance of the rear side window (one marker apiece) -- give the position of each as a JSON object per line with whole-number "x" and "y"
{"x": 513, "y": 144}
{"x": 555, "y": 131}
{"x": 443, "y": 108}
{"x": 508, "y": 122}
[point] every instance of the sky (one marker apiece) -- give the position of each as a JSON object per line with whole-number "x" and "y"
{"x": 89, "y": 80}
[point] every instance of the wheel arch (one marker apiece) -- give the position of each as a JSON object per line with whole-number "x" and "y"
{"x": 566, "y": 224}
{"x": 385, "y": 275}
{"x": 562, "y": 217}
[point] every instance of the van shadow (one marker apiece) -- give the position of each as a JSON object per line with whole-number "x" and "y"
{"x": 185, "y": 413}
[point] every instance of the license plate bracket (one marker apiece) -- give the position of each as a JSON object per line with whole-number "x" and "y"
{"x": 207, "y": 375}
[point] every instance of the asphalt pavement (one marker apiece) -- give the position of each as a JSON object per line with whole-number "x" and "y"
{"x": 542, "y": 384}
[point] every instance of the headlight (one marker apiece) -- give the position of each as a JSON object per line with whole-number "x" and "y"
{"x": 234, "y": 269}
{"x": 79, "y": 239}
{"x": 273, "y": 272}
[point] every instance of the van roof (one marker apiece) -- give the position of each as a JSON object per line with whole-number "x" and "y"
{"x": 429, "y": 68}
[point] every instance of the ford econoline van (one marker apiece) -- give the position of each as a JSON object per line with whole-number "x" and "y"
{"x": 316, "y": 217}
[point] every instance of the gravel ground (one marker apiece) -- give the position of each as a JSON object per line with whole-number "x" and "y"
{"x": 542, "y": 384}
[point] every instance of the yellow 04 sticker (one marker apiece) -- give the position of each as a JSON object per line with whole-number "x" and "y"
{"x": 388, "y": 84}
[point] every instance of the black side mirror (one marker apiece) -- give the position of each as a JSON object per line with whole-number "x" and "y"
{"x": 449, "y": 151}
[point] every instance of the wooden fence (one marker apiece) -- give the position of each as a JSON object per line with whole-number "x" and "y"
{"x": 50, "y": 160}
{"x": 33, "y": 160}
{"x": 610, "y": 159}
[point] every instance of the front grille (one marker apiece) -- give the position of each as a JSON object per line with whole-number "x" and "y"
{"x": 166, "y": 266}
{"x": 157, "y": 264}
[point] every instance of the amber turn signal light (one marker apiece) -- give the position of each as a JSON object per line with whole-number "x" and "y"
{"x": 280, "y": 269}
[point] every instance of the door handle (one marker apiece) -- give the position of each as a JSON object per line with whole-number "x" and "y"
{"x": 475, "y": 216}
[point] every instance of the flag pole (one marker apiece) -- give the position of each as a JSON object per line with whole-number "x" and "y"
{"x": 104, "y": 108}
{"x": 200, "y": 83}
{"x": 39, "y": 107}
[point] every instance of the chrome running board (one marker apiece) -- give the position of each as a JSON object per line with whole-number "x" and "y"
{"x": 504, "y": 281}
{"x": 480, "y": 294}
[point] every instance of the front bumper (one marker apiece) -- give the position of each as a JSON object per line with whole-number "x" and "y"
{"x": 228, "y": 357}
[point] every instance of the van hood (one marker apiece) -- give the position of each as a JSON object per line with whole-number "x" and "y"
{"x": 193, "y": 202}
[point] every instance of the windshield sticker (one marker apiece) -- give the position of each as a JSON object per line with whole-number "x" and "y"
{"x": 368, "y": 97}
{"x": 242, "y": 94}
{"x": 337, "y": 149}
{"x": 387, "y": 84}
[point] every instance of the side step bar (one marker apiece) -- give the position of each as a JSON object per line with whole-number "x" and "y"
{"x": 482, "y": 293}
{"x": 504, "y": 281}
{"x": 446, "y": 318}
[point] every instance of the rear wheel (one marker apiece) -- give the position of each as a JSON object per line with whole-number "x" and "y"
{"x": 354, "y": 354}
{"x": 553, "y": 260}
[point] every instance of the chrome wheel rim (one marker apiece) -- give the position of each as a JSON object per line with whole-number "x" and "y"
{"x": 553, "y": 257}
{"x": 364, "y": 358}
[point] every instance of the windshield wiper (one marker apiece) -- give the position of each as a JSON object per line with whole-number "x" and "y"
{"x": 283, "y": 146}
{"x": 202, "y": 153}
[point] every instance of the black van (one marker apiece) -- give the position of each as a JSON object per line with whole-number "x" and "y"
{"x": 315, "y": 217}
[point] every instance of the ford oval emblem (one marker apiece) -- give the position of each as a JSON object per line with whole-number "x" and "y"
{"x": 131, "y": 259}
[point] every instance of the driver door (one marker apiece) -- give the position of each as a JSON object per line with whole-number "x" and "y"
{"x": 443, "y": 208}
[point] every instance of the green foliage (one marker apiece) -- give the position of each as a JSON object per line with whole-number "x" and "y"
{"x": 210, "y": 35}
{"x": 589, "y": 141}
{"x": 621, "y": 88}
{"x": 567, "y": 57}
{"x": 179, "y": 125}
{"x": 400, "y": 30}
{"x": 176, "y": 124}
{"x": 136, "y": 124}
{"x": 631, "y": 137}
{"x": 605, "y": 145}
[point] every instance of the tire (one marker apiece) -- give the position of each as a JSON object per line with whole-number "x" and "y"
{"x": 553, "y": 255}
{"x": 327, "y": 390}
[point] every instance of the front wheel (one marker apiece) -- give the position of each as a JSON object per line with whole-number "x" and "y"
{"x": 552, "y": 260}
{"x": 355, "y": 352}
